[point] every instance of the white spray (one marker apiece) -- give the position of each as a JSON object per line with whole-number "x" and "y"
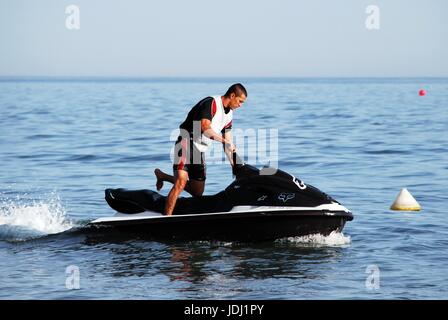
{"x": 22, "y": 220}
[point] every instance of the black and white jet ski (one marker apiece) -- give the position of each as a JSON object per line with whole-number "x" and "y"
{"x": 258, "y": 205}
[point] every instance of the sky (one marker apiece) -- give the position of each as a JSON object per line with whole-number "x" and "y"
{"x": 205, "y": 38}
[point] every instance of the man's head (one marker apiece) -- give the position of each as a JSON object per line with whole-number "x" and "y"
{"x": 236, "y": 94}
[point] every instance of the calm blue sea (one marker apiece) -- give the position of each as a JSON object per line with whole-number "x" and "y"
{"x": 63, "y": 141}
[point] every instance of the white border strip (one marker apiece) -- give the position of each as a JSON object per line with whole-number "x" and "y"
{"x": 152, "y": 215}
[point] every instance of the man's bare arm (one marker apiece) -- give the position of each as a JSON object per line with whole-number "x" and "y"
{"x": 228, "y": 151}
{"x": 209, "y": 132}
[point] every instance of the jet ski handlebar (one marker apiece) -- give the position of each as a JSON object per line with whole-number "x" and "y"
{"x": 237, "y": 163}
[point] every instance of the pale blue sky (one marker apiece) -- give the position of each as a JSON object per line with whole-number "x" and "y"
{"x": 224, "y": 38}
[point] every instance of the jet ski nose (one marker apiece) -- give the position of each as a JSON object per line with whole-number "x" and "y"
{"x": 109, "y": 194}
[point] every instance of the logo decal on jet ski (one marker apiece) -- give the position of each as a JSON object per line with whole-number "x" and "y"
{"x": 262, "y": 198}
{"x": 286, "y": 196}
{"x": 299, "y": 183}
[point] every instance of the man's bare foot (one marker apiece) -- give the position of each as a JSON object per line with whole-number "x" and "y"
{"x": 159, "y": 175}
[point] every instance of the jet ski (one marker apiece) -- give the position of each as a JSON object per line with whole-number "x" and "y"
{"x": 260, "y": 204}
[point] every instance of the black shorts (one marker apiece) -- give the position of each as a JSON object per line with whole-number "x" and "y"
{"x": 187, "y": 157}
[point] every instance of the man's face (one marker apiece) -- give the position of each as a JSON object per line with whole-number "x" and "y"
{"x": 236, "y": 101}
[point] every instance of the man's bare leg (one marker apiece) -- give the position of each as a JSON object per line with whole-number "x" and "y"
{"x": 181, "y": 178}
{"x": 195, "y": 188}
{"x": 161, "y": 177}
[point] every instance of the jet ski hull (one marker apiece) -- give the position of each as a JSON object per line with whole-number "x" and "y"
{"x": 238, "y": 226}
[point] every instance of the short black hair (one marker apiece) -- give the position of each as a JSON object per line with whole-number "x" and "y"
{"x": 238, "y": 89}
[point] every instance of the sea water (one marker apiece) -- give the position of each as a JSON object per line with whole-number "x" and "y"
{"x": 63, "y": 141}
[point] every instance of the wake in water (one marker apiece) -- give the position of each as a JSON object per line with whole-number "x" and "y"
{"x": 334, "y": 239}
{"x": 22, "y": 220}
{"x": 317, "y": 240}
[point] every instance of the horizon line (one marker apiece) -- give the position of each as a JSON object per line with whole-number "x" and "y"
{"x": 130, "y": 77}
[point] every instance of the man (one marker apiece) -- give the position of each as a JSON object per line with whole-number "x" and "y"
{"x": 210, "y": 119}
